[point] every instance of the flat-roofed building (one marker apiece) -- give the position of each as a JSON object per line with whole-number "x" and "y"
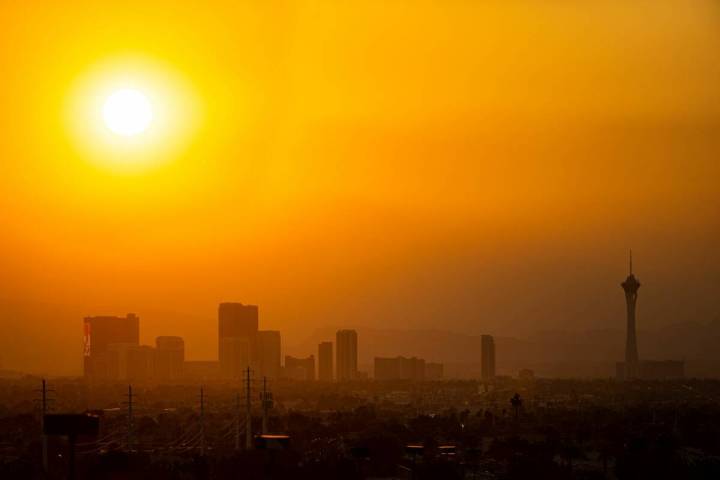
{"x": 140, "y": 363}
{"x": 99, "y": 333}
{"x": 487, "y": 357}
{"x": 237, "y": 357}
{"x": 300, "y": 368}
{"x": 236, "y": 321}
{"x": 269, "y": 353}
{"x": 325, "y": 362}
{"x": 346, "y": 355}
{"x": 399, "y": 368}
{"x": 169, "y": 358}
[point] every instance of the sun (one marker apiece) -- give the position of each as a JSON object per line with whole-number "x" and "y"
{"x": 127, "y": 112}
{"x": 131, "y": 114}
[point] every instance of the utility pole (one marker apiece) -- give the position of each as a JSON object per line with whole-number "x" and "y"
{"x": 237, "y": 421}
{"x": 44, "y": 400}
{"x": 248, "y": 412}
{"x": 202, "y": 421}
{"x": 265, "y": 407}
{"x": 130, "y": 421}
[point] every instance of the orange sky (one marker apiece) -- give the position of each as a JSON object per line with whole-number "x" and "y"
{"x": 478, "y": 166}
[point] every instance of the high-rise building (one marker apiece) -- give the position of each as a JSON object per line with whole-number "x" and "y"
{"x": 169, "y": 358}
{"x": 346, "y": 355}
{"x": 114, "y": 362}
{"x": 325, "y": 362}
{"x": 140, "y": 363}
{"x": 238, "y": 354}
{"x": 269, "y": 353}
{"x": 237, "y": 337}
{"x": 399, "y": 368}
{"x": 300, "y": 368}
{"x": 487, "y": 357}
{"x": 632, "y": 360}
{"x": 101, "y": 332}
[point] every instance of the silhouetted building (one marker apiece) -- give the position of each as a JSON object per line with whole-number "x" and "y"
{"x": 633, "y": 367}
{"x": 237, "y": 356}
{"x": 237, "y": 336}
{"x": 325, "y": 362}
{"x": 434, "y": 371}
{"x": 201, "y": 370}
{"x": 115, "y": 361}
{"x": 140, "y": 363}
{"x": 399, "y": 368}
{"x": 632, "y": 361}
{"x": 169, "y": 358}
{"x": 346, "y": 355}
{"x": 488, "y": 357}
{"x": 269, "y": 353}
{"x": 98, "y": 334}
{"x": 300, "y": 368}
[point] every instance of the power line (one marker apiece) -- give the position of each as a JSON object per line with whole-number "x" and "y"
{"x": 237, "y": 421}
{"x": 266, "y": 399}
{"x": 44, "y": 401}
{"x": 130, "y": 419}
{"x": 202, "y": 421}
{"x": 248, "y": 412}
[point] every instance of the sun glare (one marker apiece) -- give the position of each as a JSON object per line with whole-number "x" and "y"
{"x": 132, "y": 113}
{"x": 127, "y": 112}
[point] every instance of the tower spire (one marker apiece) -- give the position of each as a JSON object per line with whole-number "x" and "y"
{"x": 632, "y": 362}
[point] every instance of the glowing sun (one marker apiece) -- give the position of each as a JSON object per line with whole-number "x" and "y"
{"x": 127, "y": 112}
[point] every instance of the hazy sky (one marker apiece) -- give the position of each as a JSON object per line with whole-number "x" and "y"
{"x": 473, "y": 166}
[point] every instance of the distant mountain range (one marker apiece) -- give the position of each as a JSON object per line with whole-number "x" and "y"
{"x": 591, "y": 353}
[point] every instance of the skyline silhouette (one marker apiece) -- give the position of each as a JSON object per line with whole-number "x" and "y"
{"x": 359, "y": 240}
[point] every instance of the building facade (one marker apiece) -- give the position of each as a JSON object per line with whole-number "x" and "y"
{"x": 169, "y": 358}
{"x": 140, "y": 364}
{"x": 487, "y": 357}
{"x": 98, "y": 334}
{"x": 300, "y": 368}
{"x": 346, "y": 355}
{"x": 269, "y": 353}
{"x": 237, "y": 338}
{"x": 399, "y": 368}
{"x": 237, "y": 357}
{"x": 325, "y": 362}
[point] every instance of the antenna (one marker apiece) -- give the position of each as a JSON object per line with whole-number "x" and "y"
{"x": 631, "y": 271}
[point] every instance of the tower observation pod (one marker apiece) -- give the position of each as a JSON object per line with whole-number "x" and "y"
{"x": 632, "y": 361}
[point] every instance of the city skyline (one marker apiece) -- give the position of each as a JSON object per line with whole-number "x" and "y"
{"x": 359, "y": 240}
{"x": 247, "y": 348}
